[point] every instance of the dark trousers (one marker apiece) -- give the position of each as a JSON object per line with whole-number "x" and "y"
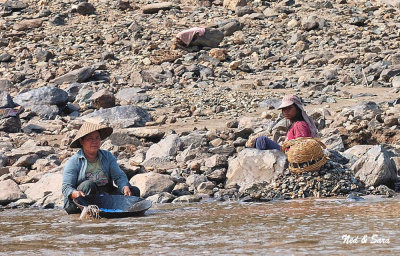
{"x": 90, "y": 188}
{"x": 265, "y": 143}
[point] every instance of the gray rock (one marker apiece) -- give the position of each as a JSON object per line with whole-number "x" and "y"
{"x": 5, "y": 84}
{"x": 270, "y": 103}
{"x": 189, "y": 153}
{"x": 211, "y": 38}
{"x": 311, "y": 22}
{"x": 366, "y": 109}
{"x": 41, "y": 151}
{"x": 5, "y": 100}
{"x": 73, "y": 90}
{"x": 15, "y": 5}
{"x": 144, "y": 132}
{"x": 195, "y": 180}
{"x": 154, "y": 8}
{"x": 205, "y": 188}
{"x": 334, "y": 142}
{"x": 187, "y": 199}
{"x": 103, "y": 99}
{"x": 18, "y": 172}
{"x": 227, "y": 150}
{"x": 196, "y": 139}
{"x": 216, "y": 161}
{"x": 159, "y": 164}
{"x": 5, "y": 57}
{"x": 27, "y": 24}
{"x": 253, "y": 166}
{"x": 85, "y": 8}
{"x": 219, "y": 175}
{"x": 233, "y": 4}
{"x": 47, "y": 95}
{"x": 132, "y": 95}
{"x": 58, "y": 20}
{"x": 152, "y": 183}
{"x": 45, "y": 111}
{"x": 375, "y": 168}
{"x": 43, "y": 55}
{"x": 120, "y": 117}
{"x": 75, "y": 76}
{"x": 10, "y": 124}
{"x": 27, "y": 160}
{"x": 181, "y": 189}
{"x": 121, "y": 138}
{"x": 161, "y": 198}
{"x": 231, "y": 27}
{"x": 49, "y": 184}
{"x": 396, "y": 82}
{"x": 395, "y": 3}
{"x": 243, "y": 10}
{"x": 3, "y": 161}
{"x": 10, "y": 192}
{"x": 165, "y": 148}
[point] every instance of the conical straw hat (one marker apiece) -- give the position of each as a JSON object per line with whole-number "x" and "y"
{"x": 88, "y": 128}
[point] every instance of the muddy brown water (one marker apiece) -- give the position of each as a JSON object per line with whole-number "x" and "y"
{"x": 296, "y": 227}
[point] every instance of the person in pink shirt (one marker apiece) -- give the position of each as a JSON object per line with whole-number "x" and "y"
{"x": 300, "y": 124}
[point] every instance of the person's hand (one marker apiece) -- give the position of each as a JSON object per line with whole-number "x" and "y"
{"x": 77, "y": 193}
{"x": 127, "y": 191}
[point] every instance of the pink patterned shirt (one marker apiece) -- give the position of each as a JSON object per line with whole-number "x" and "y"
{"x": 299, "y": 129}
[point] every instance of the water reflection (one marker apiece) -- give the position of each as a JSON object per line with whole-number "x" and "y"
{"x": 300, "y": 227}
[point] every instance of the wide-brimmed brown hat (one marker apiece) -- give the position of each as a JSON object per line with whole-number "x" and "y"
{"x": 88, "y": 128}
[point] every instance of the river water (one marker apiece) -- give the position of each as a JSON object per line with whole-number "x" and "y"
{"x": 295, "y": 227}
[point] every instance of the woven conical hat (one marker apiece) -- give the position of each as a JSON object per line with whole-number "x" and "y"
{"x": 88, "y": 128}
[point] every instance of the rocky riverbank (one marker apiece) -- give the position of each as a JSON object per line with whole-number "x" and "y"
{"x": 182, "y": 115}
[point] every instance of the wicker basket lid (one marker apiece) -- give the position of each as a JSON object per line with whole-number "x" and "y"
{"x": 304, "y": 154}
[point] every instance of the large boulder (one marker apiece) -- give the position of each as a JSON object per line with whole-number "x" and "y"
{"x": 47, "y": 95}
{"x": 376, "y": 167}
{"x": 152, "y": 183}
{"x": 120, "y": 117}
{"x": 48, "y": 186}
{"x": 10, "y": 192}
{"x": 168, "y": 146}
{"x": 253, "y": 166}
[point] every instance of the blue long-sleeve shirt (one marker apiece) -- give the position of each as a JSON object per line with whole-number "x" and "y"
{"x": 74, "y": 171}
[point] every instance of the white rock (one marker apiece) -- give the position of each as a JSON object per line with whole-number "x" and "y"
{"x": 253, "y": 166}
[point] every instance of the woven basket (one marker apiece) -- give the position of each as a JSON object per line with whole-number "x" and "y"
{"x": 304, "y": 154}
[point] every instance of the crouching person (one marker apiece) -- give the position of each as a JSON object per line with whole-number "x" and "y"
{"x": 92, "y": 170}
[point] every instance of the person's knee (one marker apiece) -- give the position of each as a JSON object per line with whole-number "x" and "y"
{"x": 135, "y": 191}
{"x": 261, "y": 143}
{"x": 88, "y": 187}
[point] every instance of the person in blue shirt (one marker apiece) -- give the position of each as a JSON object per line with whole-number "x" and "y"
{"x": 92, "y": 170}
